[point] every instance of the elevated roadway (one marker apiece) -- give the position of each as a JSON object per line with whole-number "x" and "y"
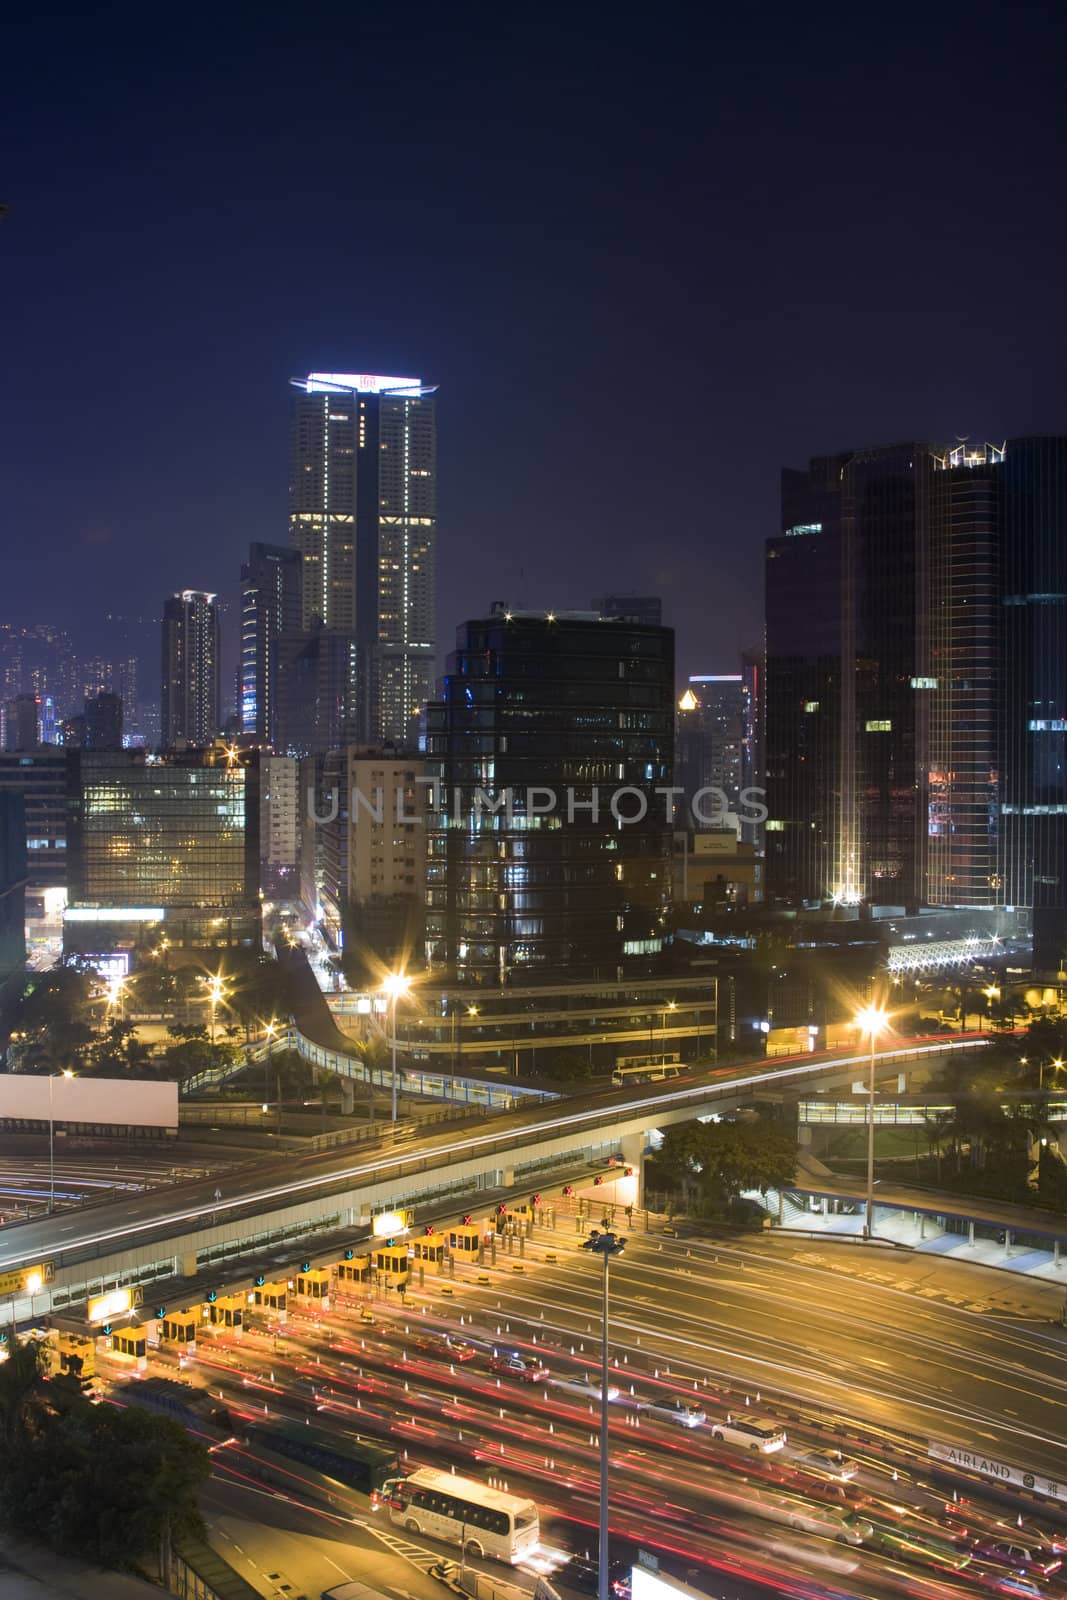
{"x": 152, "y": 1236}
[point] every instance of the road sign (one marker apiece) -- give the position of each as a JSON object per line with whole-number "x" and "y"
{"x": 955, "y": 1455}
{"x": 27, "y": 1280}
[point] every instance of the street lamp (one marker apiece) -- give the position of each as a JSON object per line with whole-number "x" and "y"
{"x": 604, "y": 1244}
{"x": 270, "y": 1029}
{"x": 216, "y": 992}
{"x": 66, "y": 1073}
{"x": 873, "y": 1021}
{"x": 394, "y": 984}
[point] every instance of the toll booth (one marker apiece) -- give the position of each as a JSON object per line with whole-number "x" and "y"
{"x": 354, "y": 1271}
{"x": 179, "y": 1329}
{"x": 466, "y": 1240}
{"x": 273, "y": 1298}
{"x": 313, "y": 1287}
{"x": 392, "y": 1265}
{"x": 429, "y": 1253}
{"x": 225, "y": 1311}
{"x": 76, "y": 1354}
{"x": 132, "y": 1345}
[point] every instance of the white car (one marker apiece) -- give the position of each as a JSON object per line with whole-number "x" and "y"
{"x": 674, "y": 1408}
{"x": 751, "y": 1433}
{"x": 829, "y": 1464}
{"x": 583, "y": 1387}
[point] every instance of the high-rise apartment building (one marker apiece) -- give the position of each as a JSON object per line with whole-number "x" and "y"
{"x": 916, "y": 724}
{"x": 362, "y": 514}
{"x": 22, "y": 724}
{"x": 103, "y": 722}
{"x": 549, "y": 851}
{"x": 189, "y": 704}
{"x": 387, "y": 812}
{"x": 315, "y": 691}
{"x": 270, "y": 608}
{"x": 279, "y": 826}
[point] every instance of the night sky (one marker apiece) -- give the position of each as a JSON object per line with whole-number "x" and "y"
{"x": 648, "y": 261}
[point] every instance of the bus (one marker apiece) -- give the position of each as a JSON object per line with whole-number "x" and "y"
{"x": 646, "y": 1069}
{"x": 483, "y": 1522}
{"x": 366, "y": 1465}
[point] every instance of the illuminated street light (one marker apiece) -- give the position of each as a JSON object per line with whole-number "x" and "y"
{"x": 606, "y": 1245}
{"x": 395, "y": 985}
{"x": 872, "y": 1021}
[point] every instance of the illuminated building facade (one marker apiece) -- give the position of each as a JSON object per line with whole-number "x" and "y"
{"x": 40, "y": 778}
{"x": 189, "y": 704}
{"x": 270, "y": 608}
{"x": 362, "y": 514}
{"x": 563, "y": 711}
{"x": 162, "y": 845}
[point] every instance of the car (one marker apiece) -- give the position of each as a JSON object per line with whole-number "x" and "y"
{"x": 583, "y": 1386}
{"x": 525, "y": 1368}
{"x": 582, "y": 1574}
{"x": 443, "y": 1344}
{"x": 1023, "y": 1555}
{"x": 674, "y": 1408}
{"x": 826, "y": 1463}
{"x": 751, "y": 1433}
{"x": 1002, "y": 1580}
{"x": 915, "y": 1540}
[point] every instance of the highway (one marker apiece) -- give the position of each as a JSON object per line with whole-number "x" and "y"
{"x": 874, "y": 1367}
{"x": 272, "y": 1186}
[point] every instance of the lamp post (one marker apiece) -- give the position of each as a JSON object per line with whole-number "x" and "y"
{"x": 52, "y": 1141}
{"x": 215, "y": 994}
{"x": 270, "y": 1029}
{"x": 604, "y": 1244}
{"x": 872, "y": 1021}
{"x": 394, "y": 985}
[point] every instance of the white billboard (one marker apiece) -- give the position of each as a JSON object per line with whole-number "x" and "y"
{"x": 113, "y": 1102}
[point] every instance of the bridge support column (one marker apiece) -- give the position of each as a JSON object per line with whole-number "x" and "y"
{"x": 633, "y": 1154}
{"x": 1008, "y": 1241}
{"x": 507, "y": 1178}
{"x": 189, "y": 1264}
{"x": 1056, "y": 1253}
{"x": 970, "y": 1233}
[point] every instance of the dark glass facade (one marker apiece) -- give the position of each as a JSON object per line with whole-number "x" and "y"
{"x": 12, "y": 883}
{"x": 178, "y": 833}
{"x": 570, "y": 713}
{"x": 40, "y": 778}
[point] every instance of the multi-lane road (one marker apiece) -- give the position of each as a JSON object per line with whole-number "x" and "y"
{"x": 874, "y": 1365}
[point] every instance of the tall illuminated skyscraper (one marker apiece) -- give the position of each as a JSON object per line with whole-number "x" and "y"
{"x": 362, "y": 513}
{"x": 270, "y": 609}
{"x": 189, "y": 703}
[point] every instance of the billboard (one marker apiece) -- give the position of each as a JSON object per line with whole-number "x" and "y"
{"x": 108, "y": 1102}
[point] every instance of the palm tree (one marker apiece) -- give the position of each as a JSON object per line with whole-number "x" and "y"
{"x": 938, "y": 1125}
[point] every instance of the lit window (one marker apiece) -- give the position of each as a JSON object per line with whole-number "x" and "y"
{"x": 880, "y": 725}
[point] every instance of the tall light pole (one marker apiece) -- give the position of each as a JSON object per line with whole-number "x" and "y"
{"x": 604, "y": 1244}
{"x": 872, "y": 1021}
{"x": 52, "y": 1141}
{"x": 394, "y": 985}
{"x": 271, "y": 1029}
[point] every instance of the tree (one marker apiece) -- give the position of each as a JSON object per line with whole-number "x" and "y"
{"x": 724, "y": 1158}
{"x": 119, "y": 1050}
{"x": 53, "y": 1017}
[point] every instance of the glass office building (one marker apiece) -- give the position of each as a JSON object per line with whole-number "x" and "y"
{"x": 550, "y": 851}
{"x": 162, "y": 845}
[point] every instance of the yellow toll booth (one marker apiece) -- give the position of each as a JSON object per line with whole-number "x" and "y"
{"x": 313, "y": 1285}
{"x": 77, "y": 1354}
{"x": 392, "y": 1265}
{"x": 179, "y": 1328}
{"x": 272, "y": 1298}
{"x": 466, "y": 1239}
{"x": 132, "y": 1344}
{"x": 225, "y": 1311}
{"x": 429, "y": 1252}
{"x": 357, "y": 1270}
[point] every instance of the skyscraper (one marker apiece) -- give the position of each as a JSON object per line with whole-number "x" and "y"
{"x": 645, "y": 608}
{"x": 103, "y": 722}
{"x": 551, "y": 730}
{"x": 270, "y": 607}
{"x": 362, "y": 514}
{"x": 189, "y": 704}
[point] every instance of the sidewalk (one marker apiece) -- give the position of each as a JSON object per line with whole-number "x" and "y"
{"x": 30, "y": 1572}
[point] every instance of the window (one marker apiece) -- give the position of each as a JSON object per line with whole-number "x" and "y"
{"x": 880, "y": 725}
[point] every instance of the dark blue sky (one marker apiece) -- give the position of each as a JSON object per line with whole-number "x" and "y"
{"x": 647, "y": 261}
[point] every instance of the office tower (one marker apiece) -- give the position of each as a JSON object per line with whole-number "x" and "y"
{"x": 1032, "y": 567}
{"x": 644, "y": 608}
{"x": 270, "y": 607}
{"x": 162, "y": 845}
{"x": 97, "y": 676}
{"x": 103, "y": 722}
{"x": 279, "y": 827}
{"x": 315, "y": 691}
{"x": 545, "y": 723}
{"x": 40, "y": 779}
{"x": 387, "y": 814}
{"x": 72, "y": 733}
{"x": 362, "y": 514}
{"x": 12, "y": 883}
{"x": 22, "y": 724}
{"x": 189, "y": 705}
{"x": 721, "y": 699}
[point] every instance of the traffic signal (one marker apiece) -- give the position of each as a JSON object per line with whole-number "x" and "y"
{"x": 467, "y": 1220}
{"x": 106, "y": 1330}
{"x": 598, "y": 1180}
{"x": 567, "y": 1191}
{"x": 349, "y": 1255}
{"x": 305, "y": 1266}
{"x": 212, "y": 1296}
{"x": 161, "y": 1311}
{"x": 260, "y": 1280}
{"x": 429, "y": 1229}
{"x": 629, "y": 1172}
{"x": 535, "y": 1199}
{"x": 501, "y": 1209}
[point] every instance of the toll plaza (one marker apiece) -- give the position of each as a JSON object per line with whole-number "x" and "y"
{"x": 465, "y": 1240}
{"x": 270, "y": 1297}
{"x": 75, "y": 1355}
{"x": 130, "y": 1344}
{"x": 224, "y": 1311}
{"x": 178, "y": 1328}
{"x": 312, "y": 1286}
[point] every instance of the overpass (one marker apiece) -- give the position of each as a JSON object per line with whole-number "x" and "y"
{"x": 287, "y": 1202}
